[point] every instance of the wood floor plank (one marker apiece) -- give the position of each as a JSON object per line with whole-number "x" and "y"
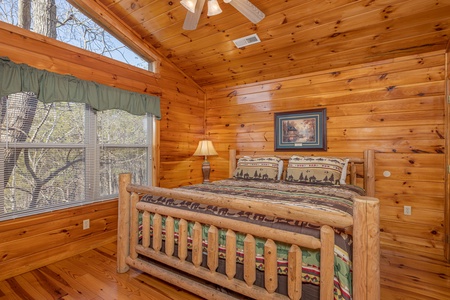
{"x": 101, "y": 263}
{"x": 43, "y": 285}
{"x": 106, "y": 279}
{"x": 6, "y": 292}
{"x": 105, "y": 257}
{"x": 63, "y": 278}
{"x": 23, "y": 289}
{"x": 91, "y": 275}
{"x": 103, "y": 288}
{"x": 155, "y": 286}
{"x": 70, "y": 273}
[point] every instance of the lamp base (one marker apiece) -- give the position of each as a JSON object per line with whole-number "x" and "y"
{"x": 206, "y": 169}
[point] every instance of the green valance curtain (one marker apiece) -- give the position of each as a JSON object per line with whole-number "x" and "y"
{"x": 51, "y": 87}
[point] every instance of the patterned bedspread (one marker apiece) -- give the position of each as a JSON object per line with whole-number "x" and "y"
{"x": 321, "y": 197}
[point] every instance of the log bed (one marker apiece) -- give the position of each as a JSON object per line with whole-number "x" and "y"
{"x": 169, "y": 259}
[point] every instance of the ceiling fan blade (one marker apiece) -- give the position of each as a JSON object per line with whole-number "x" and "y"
{"x": 191, "y": 21}
{"x": 250, "y": 11}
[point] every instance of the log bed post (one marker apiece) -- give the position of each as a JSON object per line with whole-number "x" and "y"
{"x": 123, "y": 230}
{"x": 366, "y": 249}
{"x": 369, "y": 172}
{"x": 366, "y": 237}
{"x": 231, "y": 162}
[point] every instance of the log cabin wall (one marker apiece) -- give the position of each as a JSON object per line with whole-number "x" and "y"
{"x": 395, "y": 107}
{"x": 31, "y": 242}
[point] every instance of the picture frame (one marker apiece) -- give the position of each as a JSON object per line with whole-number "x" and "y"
{"x": 301, "y": 130}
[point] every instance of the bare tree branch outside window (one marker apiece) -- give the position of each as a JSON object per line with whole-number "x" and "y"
{"x": 43, "y": 175}
{"x": 72, "y": 27}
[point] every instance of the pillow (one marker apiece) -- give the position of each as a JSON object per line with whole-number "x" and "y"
{"x": 344, "y": 172}
{"x": 259, "y": 168}
{"x": 321, "y": 170}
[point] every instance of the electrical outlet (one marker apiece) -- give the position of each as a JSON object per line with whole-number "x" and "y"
{"x": 407, "y": 210}
{"x": 86, "y": 224}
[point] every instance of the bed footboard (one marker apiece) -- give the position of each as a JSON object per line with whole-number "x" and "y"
{"x": 130, "y": 250}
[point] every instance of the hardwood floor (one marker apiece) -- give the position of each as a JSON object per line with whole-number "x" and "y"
{"x": 90, "y": 275}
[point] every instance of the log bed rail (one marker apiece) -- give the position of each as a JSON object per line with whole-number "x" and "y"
{"x": 364, "y": 225}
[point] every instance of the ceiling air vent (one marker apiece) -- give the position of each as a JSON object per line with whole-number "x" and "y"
{"x": 247, "y": 40}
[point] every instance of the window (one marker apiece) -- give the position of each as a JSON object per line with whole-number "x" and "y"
{"x": 71, "y": 27}
{"x": 56, "y": 155}
{"x": 123, "y": 140}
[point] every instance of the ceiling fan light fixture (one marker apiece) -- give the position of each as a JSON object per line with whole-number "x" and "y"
{"x": 189, "y": 5}
{"x": 213, "y": 8}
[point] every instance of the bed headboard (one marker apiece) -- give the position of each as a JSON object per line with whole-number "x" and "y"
{"x": 367, "y": 162}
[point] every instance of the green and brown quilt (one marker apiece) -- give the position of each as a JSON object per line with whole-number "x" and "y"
{"x": 321, "y": 197}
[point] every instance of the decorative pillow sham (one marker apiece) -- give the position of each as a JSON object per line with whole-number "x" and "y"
{"x": 318, "y": 170}
{"x": 259, "y": 168}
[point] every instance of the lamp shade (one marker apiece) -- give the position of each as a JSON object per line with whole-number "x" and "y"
{"x": 189, "y": 5}
{"x": 213, "y": 8}
{"x": 205, "y": 148}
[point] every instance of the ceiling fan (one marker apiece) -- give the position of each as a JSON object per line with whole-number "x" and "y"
{"x": 195, "y": 8}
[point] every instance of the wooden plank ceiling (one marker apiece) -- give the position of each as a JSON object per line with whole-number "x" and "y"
{"x": 298, "y": 36}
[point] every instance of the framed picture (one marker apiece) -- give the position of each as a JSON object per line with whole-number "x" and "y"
{"x": 301, "y": 130}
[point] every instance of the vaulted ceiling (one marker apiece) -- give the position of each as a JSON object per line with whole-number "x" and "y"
{"x": 297, "y": 36}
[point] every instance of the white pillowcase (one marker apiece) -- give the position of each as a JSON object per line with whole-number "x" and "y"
{"x": 344, "y": 172}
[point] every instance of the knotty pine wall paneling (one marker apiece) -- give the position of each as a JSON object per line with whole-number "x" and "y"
{"x": 181, "y": 127}
{"x": 32, "y": 242}
{"x": 395, "y": 107}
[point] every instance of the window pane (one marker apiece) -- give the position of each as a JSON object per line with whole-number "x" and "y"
{"x": 114, "y": 161}
{"x": 45, "y": 177}
{"x": 42, "y": 165}
{"x": 59, "y": 122}
{"x": 117, "y": 127}
{"x": 50, "y": 158}
{"x": 121, "y": 128}
{"x": 32, "y": 121}
{"x": 76, "y": 29}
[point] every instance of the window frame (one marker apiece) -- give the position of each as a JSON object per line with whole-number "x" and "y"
{"x": 92, "y": 150}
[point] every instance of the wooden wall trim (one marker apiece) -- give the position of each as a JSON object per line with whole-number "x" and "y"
{"x": 156, "y": 151}
{"x": 447, "y": 159}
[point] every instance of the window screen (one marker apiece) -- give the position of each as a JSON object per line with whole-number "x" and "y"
{"x": 65, "y": 154}
{"x": 123, "y": 140}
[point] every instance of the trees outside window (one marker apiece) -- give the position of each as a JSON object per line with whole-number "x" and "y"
{"x": 70, "y": 155}
{"x": 64, "y": 154}
{"x": 60, "y": 20}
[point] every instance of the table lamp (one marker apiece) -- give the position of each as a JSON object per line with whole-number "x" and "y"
{"x": 205, "y": 148}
